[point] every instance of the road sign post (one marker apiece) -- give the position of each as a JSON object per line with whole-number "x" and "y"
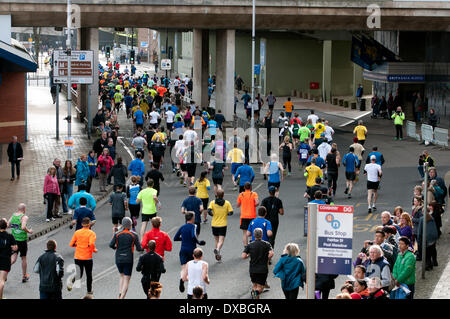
{"x": 334, "y": 239}
{"x": 311, "y": 252}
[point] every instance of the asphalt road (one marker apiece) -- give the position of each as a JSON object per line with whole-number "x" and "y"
{"x": 230, "y": 278}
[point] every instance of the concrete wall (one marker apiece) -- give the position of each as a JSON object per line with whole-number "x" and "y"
{"x": 12, "y": 107}
{"x": 292, "y": 62}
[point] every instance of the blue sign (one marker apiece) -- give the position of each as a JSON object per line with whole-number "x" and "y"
{"x": 257, "y": 69}
{"x": 406, "y": 78}
{"x": 331, "y": 265}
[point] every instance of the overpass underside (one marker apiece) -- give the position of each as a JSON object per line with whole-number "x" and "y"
{"x": 330, "y": 16}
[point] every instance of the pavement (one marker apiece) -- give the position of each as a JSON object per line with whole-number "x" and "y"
{"x": 40, "y": 150}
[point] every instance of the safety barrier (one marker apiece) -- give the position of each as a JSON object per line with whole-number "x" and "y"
{"x": 411, "y": 130}
{"x": 441, "y": 136}
{"x": 427, "y": 133}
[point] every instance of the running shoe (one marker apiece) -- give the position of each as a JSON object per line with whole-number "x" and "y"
{"x": 26, "y": 278}
{"x": 205, "y": 221}
{"x": 47, "y": 220}
{"x": 346, "y": 190}
{"x": 374, "y": 208}
{"x": 181, "y": 287}
{"x": 349, "y": 195}
{"x": 369, "y": 211}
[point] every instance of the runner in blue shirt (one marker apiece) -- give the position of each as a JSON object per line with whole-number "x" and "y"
{"x": 245, "y": 174}
{"x": 379, "y": 159}
{"x": 139, "y": 118}
{"x": 350, "y": 162}
{"x": 74, "y": 200}
{"x": 260, "y": 222}
{"x": 212, "y": 126}
{"x": 187, "y": 235}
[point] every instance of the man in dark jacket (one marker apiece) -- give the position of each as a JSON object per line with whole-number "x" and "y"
{"x": 119, "y": 172}
{"x": 324, "y": 283}
{"x": 100, "y": 144}
{"x": 50, "y": 267}
{"x": 15, "y": 155}
{"x": 151, "y": 265}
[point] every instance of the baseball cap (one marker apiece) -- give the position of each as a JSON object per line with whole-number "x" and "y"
{"x": 373, "y": 157}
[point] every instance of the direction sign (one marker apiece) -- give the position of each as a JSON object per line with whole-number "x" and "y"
{"x": 334, "y": 239}
{"x": 82, "y": 64}
{"x": 68, "y": 143}
{"x": 166, "y": 64}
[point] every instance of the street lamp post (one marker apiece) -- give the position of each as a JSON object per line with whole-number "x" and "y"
{"x": 69, "y": 78}
{"x": 252, "y": 123}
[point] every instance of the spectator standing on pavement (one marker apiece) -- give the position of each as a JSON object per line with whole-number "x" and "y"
{"x": 20, "y": 231}
{"x": 151, "y": 265}
{"x": 324, "y": 284}
{"x": 8, "y": 245}
{"x": 82, "y": 171}
{"x": 359, "y": 94}
{"x": 69, "y": 177}
{"x": 104, "y": 165}
{"x": 196, "y": 274}
{"x": 239, "y": 83}
{"x": 260, "y": 252}
{"x": 50, "y": 267}
{"x": 92, "y": 163}
{"x": 291, "y": 270}
{"x": 15, "y": 156}
{"x": 404, "y": 271}
{"x": 431, "y": 239}
{"x": 80, "y": 213}
{"x": 378, "y": 267}
{"x": 398, "y": 117}
{"x": 84, "y": 242}
{"x": 119, "y": 172}
{"x": 124, "y": 242}
{"x": 51, "y": 191}
{"x": 361, "y": 132}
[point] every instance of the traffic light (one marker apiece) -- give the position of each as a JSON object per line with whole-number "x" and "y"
{"x": 132, "y": 57}
{"x": 108, "y": 52}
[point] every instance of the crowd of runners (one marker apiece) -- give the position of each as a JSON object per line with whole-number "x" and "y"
{"x": 164, "y": 127}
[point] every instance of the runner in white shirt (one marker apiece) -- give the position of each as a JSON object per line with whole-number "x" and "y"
{"x": 374, "y": 173}
{"x": 324, "y": 148}
{"x": 329, "y": 132}
{"x": 196, "y": 273}
{"x": 186, "y": 80}
{"x": 169, "y": 119}
{"x": 154, "y": 116}
{"x": 176, "y": 83}
{"x": 190, "y": 135}
{"x": 313, "y": 117}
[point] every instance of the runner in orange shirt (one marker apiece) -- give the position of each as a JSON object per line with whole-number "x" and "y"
{"x": 288, "y": 106}
{"x": 248, "y": 201}
{"x": 84, "y": 242}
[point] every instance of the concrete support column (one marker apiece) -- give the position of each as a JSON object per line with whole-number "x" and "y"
{"x": 88, "y": 39}
{"x": 200, "y": 64}
{"x": 225, "y": 65}
{"x": 326, "y": 71}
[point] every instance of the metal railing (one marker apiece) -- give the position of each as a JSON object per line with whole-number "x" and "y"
{"x": 34, "y": 79}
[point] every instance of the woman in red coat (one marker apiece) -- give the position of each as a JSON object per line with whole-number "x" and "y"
{"x": 104, "y": 165}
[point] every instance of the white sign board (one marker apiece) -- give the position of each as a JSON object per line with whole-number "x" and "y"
{"x": 82, "y": 64}
{"x": 166, "y": 64}
{"x": 334, "y": 239}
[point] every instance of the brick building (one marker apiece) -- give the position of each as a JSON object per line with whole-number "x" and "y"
{"x": 15, "y": 62}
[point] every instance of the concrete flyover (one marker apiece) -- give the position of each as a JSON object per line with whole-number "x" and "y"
{"x": 233, "y": 14}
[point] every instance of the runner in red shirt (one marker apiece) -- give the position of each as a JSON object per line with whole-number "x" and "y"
{"x": 163, "y": 242}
